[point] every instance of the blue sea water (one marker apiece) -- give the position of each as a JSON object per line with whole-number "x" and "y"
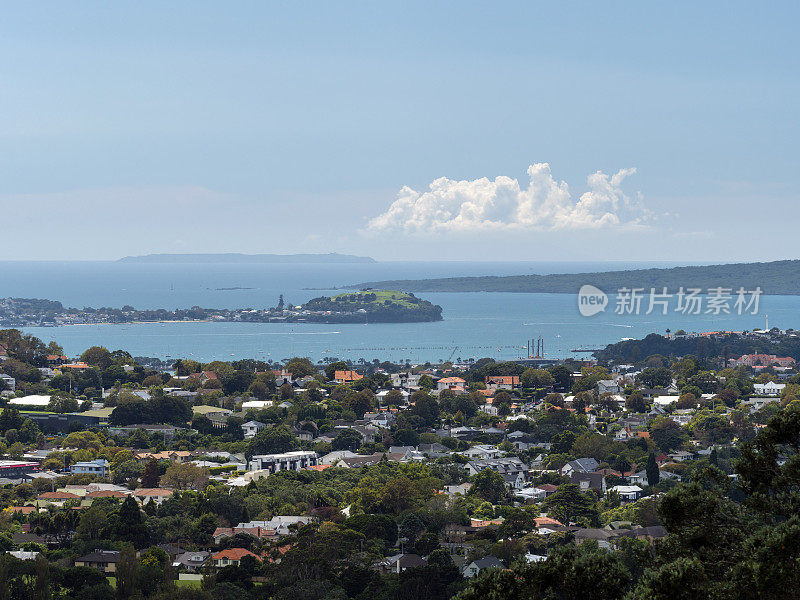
{"x": 475, "y": 324}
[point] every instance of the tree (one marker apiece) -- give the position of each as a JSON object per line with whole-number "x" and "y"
{"x": 300, "y": 367}
{"x": 563, "y": 378}
{"x": 347, "y": 439}
{"x": 568, "y": 504}
{"x": 271, "y": 441}
{"x": 330, "y": 370}
{"x": 126, "y": 573}
{"x": 489, "y": 485}
{"x": 537, "y": 378}
{"x": 62, "y": 404}
{"x": 655, "y": 377}
{"x": 570, "y": 573}
{"x": 41, "y": 590}
{"x": 185, "y": 476}
{"x": 636, "y": 403}
{"x": 150, "y": 474}
{"x": 126, "y": 471}
{"x": 93, "y": 519}
{"x": 97, "y": 356}
{"x": 667, "y": 434}
{"x": 653, "y": 474}
{"x": 425, "y": 407}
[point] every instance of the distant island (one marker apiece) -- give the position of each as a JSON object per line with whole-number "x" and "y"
{"x": 366, "y": 306}
{"x": 236, "y": 258}
{"x": 779, "y": 277}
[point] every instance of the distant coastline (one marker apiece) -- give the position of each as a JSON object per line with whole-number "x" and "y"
{"x": 359, "y": 307}
{"x": 778, "y": 277}
{"x": 238, "y": 258}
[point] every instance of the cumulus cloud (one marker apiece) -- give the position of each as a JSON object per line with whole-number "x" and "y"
{"x": 502, "y": 204}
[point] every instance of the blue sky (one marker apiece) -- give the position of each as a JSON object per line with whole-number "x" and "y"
{"x": 316, "y": 127}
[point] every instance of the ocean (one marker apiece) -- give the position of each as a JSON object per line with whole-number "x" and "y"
{"x": 475, "y": 325}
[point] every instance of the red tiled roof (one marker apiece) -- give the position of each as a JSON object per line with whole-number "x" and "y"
{"x": 153, "y": 492}
{"x": 58, "y": 496}
{"x": 346, "y": 376}
{"x": 25, "y": 510}
{"x": 318, "y": 467}
{"x": 234, "y": 554}
{"x": 106, "y": 494}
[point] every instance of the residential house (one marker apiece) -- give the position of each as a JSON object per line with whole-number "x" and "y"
{"x": 10, "y": 382}
{"x": 177, "y": 456}
{"x": 502, "y": 382}
{"x": 336, "y": 455}
{"x": 681, "y": 456}
{"x": 251, "y": 428}
{"x": 579, "y": 465}
{"x": 640, "y": 478}
{"x": 99, "y": 467}
{"x": 231, "y": 556}
{"x": 157, "y": 495}
{"x": 400, "y": 562}
{"x": 482, "y": 452}
{"x": 282, "y": 378}
{"x": 343, "y": 377}
{"x": 769, "y": 389}
{"x": 56, "y": 498}
{"x": 756, "y": 404}
{"x": 504, "y": 466}
{"x": 455, "y": 384}
{"x": 589, "y": 481}
{"x": 191, "y": 561}
{"x": 482, "y": 564}
{"x": 628, "y": 493}
{"x": 104, "y": 560}
{"x": 288, "y": 461}
{"x": 406, "y": 381}
{"x": 455, "y": 490}
{"x": 263, "y": 533}
{"x": 608, "y": 386}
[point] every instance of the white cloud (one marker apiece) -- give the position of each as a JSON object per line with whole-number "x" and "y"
{"x": 501, "y": 204}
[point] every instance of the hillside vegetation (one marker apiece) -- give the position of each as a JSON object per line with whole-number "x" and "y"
{"x": 779, "y": 277}
{"x": 379, "y": 305}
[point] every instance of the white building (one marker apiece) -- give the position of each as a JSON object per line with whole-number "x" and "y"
{"x": 628, "y": 493}
{"x": 288, "y": 461}
{"x": 251, "y": 428}
{"x": 769, "y": 389}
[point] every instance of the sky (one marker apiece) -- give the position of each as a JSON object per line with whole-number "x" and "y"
{"x": 402, "y": 131}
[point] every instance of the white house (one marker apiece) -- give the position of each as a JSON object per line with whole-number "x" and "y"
{"x": 10, "y": 382}
{"x": 608, "y": 386}
{"x": 256, "y": 404}
{"x": 769, "y": 389}
{"x": 251, "y": 428}
{"x": 481, "y": 564}
{"x": 483, "y": 451}
{"x": 663, "y": 401}
{"x": 628, "y": 493}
